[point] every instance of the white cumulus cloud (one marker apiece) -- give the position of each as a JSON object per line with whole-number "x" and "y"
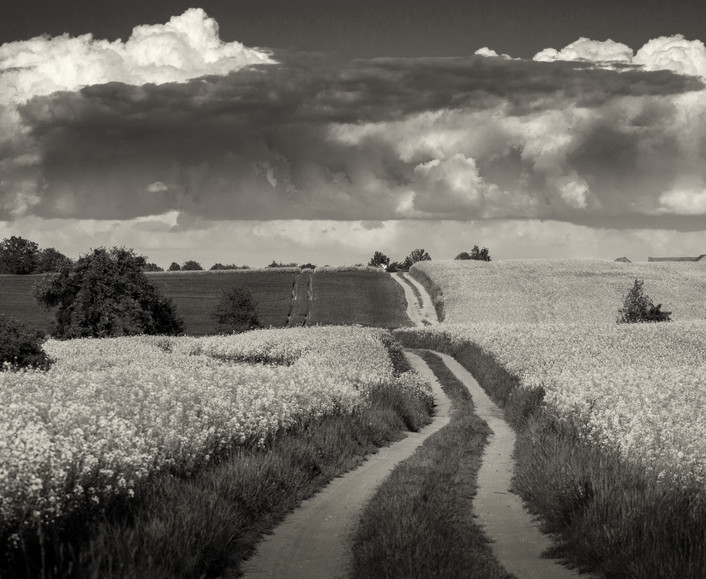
{"x": 186, "y": 47}
{"x": 587, "y": 49}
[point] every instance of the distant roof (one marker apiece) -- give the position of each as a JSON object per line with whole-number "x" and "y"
{"x": 623, "y": 259}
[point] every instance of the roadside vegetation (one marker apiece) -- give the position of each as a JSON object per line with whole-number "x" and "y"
{"x": 610, "y": 511}
{"x": 420, "y": 522}
{"x": 212, "y": 452}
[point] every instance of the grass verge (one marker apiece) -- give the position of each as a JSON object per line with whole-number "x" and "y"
{"x": 608, "y": 515}
{"x": 420, "y": 522}
{"x": 206, "y": 524}
{"x": 434, "y": 291}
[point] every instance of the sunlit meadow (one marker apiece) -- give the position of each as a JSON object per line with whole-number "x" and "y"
{"x": 112, "y": 412}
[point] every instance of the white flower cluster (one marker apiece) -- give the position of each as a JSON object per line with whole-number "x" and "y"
{"x": 110, "y": 412}
{"x": 638, "y": 388}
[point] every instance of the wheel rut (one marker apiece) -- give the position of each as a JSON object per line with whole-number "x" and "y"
{"x": 315, "y": 540}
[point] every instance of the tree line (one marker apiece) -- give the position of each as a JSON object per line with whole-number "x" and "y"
{"x": 381, "y": 260}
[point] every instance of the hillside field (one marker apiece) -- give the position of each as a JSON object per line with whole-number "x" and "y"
{"x": 339, "y": 297}
{"x": 583, "y": 291}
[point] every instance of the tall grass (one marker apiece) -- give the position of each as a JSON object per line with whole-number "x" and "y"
{"x": 609, "y": 515}
{"x": 202, "y": 525}
{"x": 420, "y": 523}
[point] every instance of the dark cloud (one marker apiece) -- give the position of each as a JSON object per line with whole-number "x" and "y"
{"x": 374, "y": 139}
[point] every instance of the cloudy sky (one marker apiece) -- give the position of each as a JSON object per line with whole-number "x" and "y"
{"x": 321, "y": 132}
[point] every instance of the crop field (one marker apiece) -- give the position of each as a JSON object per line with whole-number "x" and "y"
{"x": 360, "y": 297}
{"x": 16, "y": 300}
{"x": 562, "y": 290}
{"x": 636, "y": 388}
{"x": 111, "y": 412}
{"x": 340, "y": 297}
{"x": 639, "y": 388}
{"x": 196, "y": 294}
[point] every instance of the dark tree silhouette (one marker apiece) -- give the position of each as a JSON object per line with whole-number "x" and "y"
{"x": 106, "y": 293}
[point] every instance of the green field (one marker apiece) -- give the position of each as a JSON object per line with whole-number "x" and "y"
{"x": 358, "y": 297}
{"x": 348, "y": 297}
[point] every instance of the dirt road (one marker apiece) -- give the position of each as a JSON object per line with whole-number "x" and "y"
{"x": 314, "y": 541}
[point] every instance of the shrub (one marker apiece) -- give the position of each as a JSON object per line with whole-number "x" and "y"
{"x": 174, "y": 267}
{"x": 638, "y": 307}
{"x": 236, "y": 311}
{"x": 20, "y": 346}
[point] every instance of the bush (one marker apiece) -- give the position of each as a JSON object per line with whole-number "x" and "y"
{"x": 20, "y": 346}
{"x": 236, "y": 311}
{"x": 638, "y": 307}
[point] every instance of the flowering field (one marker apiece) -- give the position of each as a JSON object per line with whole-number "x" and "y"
{"x": 562, "y": 290}
{"x": 640, "y": 388}
{"x": 111, "y": 412}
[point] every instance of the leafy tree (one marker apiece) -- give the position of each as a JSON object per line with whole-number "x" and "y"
{"x": 20, "y": 346}
{"x": 638, "y": 307}
{"x": 477, "y": 254}
{"x": 414, "y": 257}
{"x": 236, "y": 311}
{"x": 308, "y": 266}
{"x": 152, "y": 267}
{"x": 220, "y": 266}
{"x": 419, "y": 255}
{"x": 18, "y": 255}
{"x": 174, "y": 266}
{"x": 379, "y": 259}
{"x": 106, "y": 293}
{"x": 50, "y": 260}
{"x": 191, "y": 265}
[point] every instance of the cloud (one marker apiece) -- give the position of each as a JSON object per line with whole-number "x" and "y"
{"x": 607, "y": 51}
{"x": 579, "y": 135}
{"x": 673, "y": 53}
{"x": 186, "y": 47}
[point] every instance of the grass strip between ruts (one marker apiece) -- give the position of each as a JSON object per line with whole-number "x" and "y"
{"x": 420, "y": 523}
{"x": 608, "y": 515}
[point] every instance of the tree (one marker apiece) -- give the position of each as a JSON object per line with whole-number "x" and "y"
{"x": 50, "y": 260}
{"x": 638, "y": 307}
{"x": 18, "y": 255}
{"x": 106, "y": 293}
{"x": 20, "y": 346}
{"x": 191, "y": 265}
{"x": 151, "y": 267}
{"x": 419, "y": 255}
{"x": 379, "y": 259}
{"x": 236, "y": 311}
{"x": 477, "y": 254}
{"x": 174, "y": 266}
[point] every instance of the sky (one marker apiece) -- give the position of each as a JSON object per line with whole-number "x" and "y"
{"x": 321, "y": 132}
